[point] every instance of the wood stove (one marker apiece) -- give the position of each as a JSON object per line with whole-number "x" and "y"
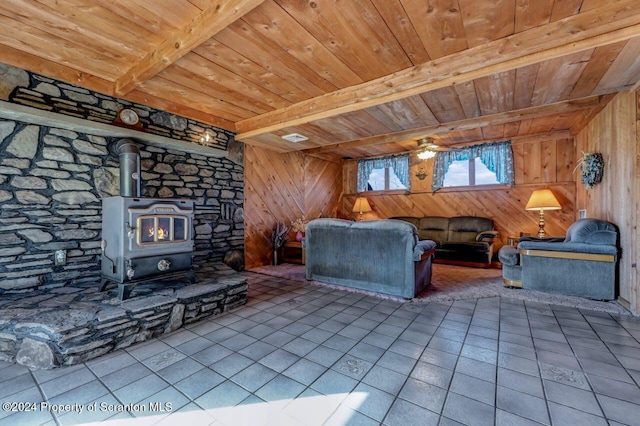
{"x": 143, "y": 238}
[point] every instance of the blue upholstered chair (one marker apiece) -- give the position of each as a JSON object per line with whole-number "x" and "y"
{"x": 584, "y": 264}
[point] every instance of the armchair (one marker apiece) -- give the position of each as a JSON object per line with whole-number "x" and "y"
{"x": 583, "y": 264}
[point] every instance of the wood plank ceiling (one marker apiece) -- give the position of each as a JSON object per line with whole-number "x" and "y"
{"x": 358, "y": 78}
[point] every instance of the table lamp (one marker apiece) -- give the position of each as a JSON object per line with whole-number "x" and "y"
{"x": 542, "y": 199}
{"x": 362, "y": 206}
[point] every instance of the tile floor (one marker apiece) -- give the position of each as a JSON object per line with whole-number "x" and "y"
{"x": 306, "y": 355}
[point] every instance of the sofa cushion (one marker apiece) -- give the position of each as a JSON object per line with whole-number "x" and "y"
{"x": 452, "y": 252}
{"x": 467, "y": 228}
{"x": 465, "y": 246}
{"x": 433, "y": 228}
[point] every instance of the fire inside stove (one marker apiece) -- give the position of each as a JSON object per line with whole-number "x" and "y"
{"x": 161, "y": 229}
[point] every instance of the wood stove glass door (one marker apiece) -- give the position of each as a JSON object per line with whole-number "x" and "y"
{"x": 147, "y": 230}
{"x": 161, "y": 229}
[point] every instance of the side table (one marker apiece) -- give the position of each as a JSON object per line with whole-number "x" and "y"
{"x": 513, "y": 241}
{"x": 292, "y": 252}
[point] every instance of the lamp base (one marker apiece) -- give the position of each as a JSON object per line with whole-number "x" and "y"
{"x": 541, "y": 233}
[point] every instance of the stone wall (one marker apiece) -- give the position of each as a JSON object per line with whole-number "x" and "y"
{"x": 52, "y": 181}
{"x": 25, "y": 88}
{"x": 51, "y": 184}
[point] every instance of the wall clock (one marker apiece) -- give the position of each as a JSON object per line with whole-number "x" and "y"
{"x": 129, "y": 116}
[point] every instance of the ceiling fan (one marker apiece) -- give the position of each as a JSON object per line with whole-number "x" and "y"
{"x": 428, "y": 148}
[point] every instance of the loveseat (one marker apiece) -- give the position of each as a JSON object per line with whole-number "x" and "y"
{"x": 383, "y": 256}
{"x": 460, "y": 240}
{"x": 583, "y": 264}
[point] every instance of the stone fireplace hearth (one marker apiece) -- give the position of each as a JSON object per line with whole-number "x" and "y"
{"x": 72, "y": 324}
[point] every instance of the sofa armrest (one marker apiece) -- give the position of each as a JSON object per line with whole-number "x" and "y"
{"x": 423, "y": 249}
{"x": 509, "y": 255}
{"x": 571, "y": 248}
{"x": 487, "y": 236}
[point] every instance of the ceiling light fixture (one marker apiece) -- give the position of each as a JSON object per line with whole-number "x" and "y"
{"x": 295, "y": 137}
{"x": 206, "y": 138}
{"x": 426, "y": 154}
{"x": 427, "y": 148}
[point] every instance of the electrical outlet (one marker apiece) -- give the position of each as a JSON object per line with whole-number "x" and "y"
{"x": 60, "y": 257}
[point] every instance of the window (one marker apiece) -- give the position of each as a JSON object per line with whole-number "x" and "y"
{"x": 384, "y": 180}
{"x": 470, "y": 172}
{"x": 384, "y": 174}
{"x": 484, "y": 164}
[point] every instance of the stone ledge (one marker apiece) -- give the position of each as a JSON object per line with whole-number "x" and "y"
{"x": 89, "y": 323}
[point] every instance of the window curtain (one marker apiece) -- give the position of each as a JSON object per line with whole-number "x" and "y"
{"x": 497, "y": 156}
{"x": 399, "y": 164}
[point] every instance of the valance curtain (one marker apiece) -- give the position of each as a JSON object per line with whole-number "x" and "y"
{"x": 497, "y": 156}
{"x": 399, "y": 164}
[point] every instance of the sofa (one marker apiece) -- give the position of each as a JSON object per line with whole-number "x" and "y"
{"x": 460, "y": 240}
{"x": 584, "y": 263}
{"x": 383, "y": 256}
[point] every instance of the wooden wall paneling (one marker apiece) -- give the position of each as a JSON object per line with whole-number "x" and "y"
{"x": 274, "y": 191}
{"x": 548, "y": 160}
{"x": 350, "y": 177}
{"x": 426, "y": 166}
{"x": 518, "y": 163}
{"x": 565, "y": 159}
{"x": 322, "y": 188}
{"x": 284, "y": 187}
{"x": 614, "y": 133}
{"x": 532, "y": 153}
{"x": 634, "y": 250}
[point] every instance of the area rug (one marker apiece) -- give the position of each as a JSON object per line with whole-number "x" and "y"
{"x": 450, "y": 283}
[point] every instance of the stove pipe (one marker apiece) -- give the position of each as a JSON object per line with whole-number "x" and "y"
{"x": 129, "y": 168}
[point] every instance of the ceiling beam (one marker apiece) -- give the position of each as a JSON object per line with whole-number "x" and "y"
{"x": 556, "y": 134}
{"x": 212, "y": 20}
{"x": 473, "y": 123}
{"x": 587, "y": 30}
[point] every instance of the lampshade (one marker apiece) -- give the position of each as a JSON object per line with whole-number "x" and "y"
{"x": 361, "y": 205}
{"x": 543, "y": 199}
